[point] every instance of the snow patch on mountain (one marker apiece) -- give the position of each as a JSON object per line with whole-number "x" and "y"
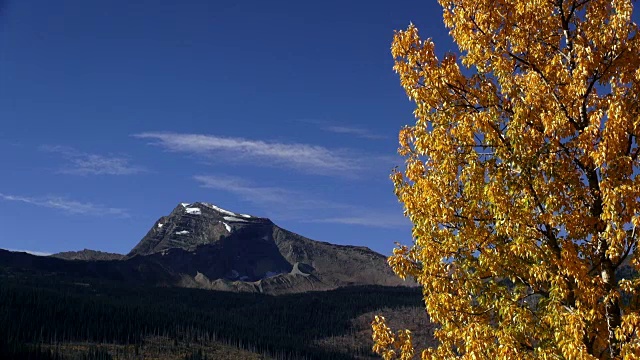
{"x": 226, "y": 212}
{"x": 183, "y": 232}
{"x": 193, "y": 211}
{"x": 227, "y": 226}
{"x": 184, "y": 205}
{"x": 160, "y": 226}
{"x": 219, "y": 209}
{"x": 234, "y": 219}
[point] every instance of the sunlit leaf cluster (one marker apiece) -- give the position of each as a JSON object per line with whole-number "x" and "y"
{"x": 521, "y": 181}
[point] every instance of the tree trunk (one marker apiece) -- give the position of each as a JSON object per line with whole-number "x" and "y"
{"x": 612, "y": 306}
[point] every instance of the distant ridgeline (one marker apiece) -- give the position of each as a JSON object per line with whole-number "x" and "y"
{"x": 200, "y": 245}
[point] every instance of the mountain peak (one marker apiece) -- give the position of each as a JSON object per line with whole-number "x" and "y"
{"x": 190, "y": 225}
{"x": 195, "y": 208}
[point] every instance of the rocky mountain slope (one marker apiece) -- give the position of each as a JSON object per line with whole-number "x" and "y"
{"x": 200, "y": 245}
{"x": 214, "y": 248}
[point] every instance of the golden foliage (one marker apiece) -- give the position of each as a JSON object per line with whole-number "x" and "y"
{"x": 521, "y": 181}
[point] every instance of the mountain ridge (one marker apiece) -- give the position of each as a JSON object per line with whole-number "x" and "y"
{"x": 200, "y": 245}
{"x": 87, "y": 254}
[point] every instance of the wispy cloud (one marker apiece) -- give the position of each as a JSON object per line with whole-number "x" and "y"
{"x": 37, "y": 253}
{"x": 263, "y": 196}
{"x": 367, "y": 218}
{"x": 304, "y": 157}
{"x": 295, "y": 205}
{"x": 255, "y": 194}
{"x": 347, "y": 129}
{"x": 81, "y": 163}
{"x": 67, "y": 205}
{"x": 355, "y": 131}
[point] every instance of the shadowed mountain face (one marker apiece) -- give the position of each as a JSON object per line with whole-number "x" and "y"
{"x": 200, "y": 245}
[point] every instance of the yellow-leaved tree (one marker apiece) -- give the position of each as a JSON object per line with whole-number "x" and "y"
{"x": 521, "y": 181}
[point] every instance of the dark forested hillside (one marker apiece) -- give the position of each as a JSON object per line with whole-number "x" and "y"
{"x": 41, "y": 312}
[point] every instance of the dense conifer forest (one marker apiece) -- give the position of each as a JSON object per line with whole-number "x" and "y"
{"x": 38, "y": 314}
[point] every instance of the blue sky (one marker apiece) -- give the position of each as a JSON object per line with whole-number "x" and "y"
{"x": 113, "y": 112}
